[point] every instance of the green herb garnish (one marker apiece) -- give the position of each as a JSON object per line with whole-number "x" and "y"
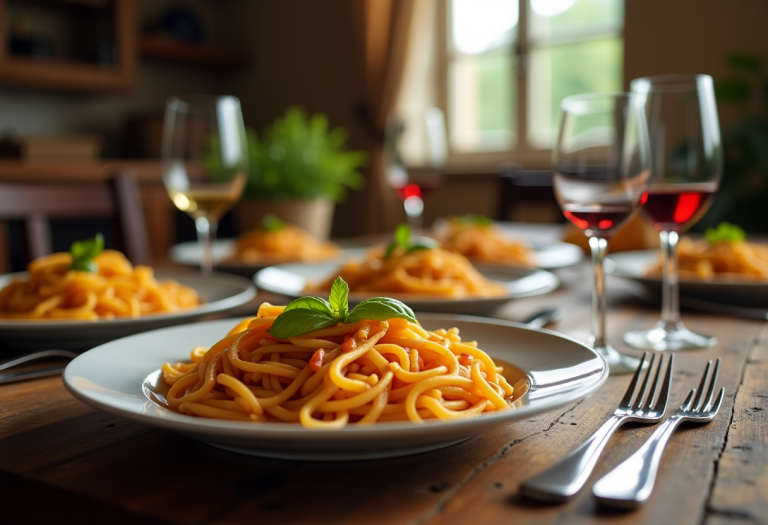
{"x": 403, "y": 240}
{"x": 84, "y": 253}
{"x": 308, "y": 314}
{"x": 474, "y": 220}
{"x": 271, "y": 223}
{"x": 725, "y": 232}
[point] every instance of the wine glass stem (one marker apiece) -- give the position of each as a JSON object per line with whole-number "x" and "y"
{"x": 670, "y": 296}
{"x": 206, "y": 233}
{"x": 598, "y": 247}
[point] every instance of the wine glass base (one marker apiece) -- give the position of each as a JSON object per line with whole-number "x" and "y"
{"x": 662, "y": 337}
{"x": 618, "y": 363}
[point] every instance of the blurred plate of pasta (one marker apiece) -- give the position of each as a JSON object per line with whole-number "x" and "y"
{"x": 188, "y": 254}
{"x": 296, "y": 280}
{"x": 219, "y": 293}
{"x": 123, "y": 377}
{"x": 725, "y": 288}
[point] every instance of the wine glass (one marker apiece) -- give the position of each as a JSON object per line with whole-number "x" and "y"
{"x": 601, "y": 166}
{"x": 687, "y": 165}
{"x": 423, "y": 148}
{"x": 204, "y": 161}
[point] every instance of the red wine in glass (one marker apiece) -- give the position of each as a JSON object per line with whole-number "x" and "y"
{"x": 417, "y": 183}
{"x": 598, "y": 221}
{"x": 674, "y": 208}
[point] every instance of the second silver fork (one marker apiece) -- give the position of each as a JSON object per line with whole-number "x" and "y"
{"x": 564, "y": 479}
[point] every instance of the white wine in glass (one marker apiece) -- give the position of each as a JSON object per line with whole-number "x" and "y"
{"x": 205, "y": 160}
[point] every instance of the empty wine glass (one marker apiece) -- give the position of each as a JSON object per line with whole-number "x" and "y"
{"x": 424, "y": 141}
{"x": 204, "y": 161}
{"x": 687, "y": 164}
{"x": 601, "y": 164}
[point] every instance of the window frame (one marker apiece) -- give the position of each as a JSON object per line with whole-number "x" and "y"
{"x": 522, "y": 152}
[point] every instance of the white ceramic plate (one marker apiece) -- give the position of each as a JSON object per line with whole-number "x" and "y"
{"x": 221, "y": 292}
{"x": 122, "y": 376}
{"x": 291, "y": 279}
{"x": 634, "y": 264}
{"x": 188, "y": 253}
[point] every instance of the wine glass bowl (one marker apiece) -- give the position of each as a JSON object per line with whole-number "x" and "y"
{"x": 204, "y": 161}
{"x": 601, "y": 167}
{"x": 685, "y": 174}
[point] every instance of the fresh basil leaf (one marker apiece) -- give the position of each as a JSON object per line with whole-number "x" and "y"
{"x": 403, "y": 235}
{"x": 423, "y": 243}
{"x": 338, "y": 299}
{"x": 483, "y": 221}
{"x": 300, "y": 321}
{"x": 725, "y": 232}
{"x": 83, "y": 253}
{"x": 380, "y": 309}
{"x": 390, "y": 249}
{"x": 316, "y": 304}
{"x": 272, "y": 223}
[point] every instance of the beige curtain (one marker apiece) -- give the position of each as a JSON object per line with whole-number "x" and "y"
{"x": 386, "y": 30}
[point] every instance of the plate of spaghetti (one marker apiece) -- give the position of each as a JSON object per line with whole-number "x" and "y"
{"x": 273, "y": 242}
{"x": 315, "y": 380}
{"x": 722, "y": 266}
{"x": 432, "y": 280}
{"x": 489, "y": 243}
{"x": 72, "y": 302}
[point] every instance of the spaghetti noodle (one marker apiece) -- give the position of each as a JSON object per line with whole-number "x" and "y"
{"x": 483, "y": 242}
{"x": 702, "y": 260}
{"x": 51, "y": 290}
{"x": 434, "y": 272}
{"x": 363, "y": 372}
{"x": 288, "y": 243}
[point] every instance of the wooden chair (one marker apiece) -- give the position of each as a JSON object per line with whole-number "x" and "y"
{"x": 37, "y": 204}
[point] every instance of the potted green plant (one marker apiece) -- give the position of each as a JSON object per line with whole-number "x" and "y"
{"x": 299, "y": 168}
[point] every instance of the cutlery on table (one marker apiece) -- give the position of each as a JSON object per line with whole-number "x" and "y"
{"x": 542, "y": 318}
{"x": 13, "y": 377}
{"x": 630, "y": 484}
{"x": 565, "y": 478}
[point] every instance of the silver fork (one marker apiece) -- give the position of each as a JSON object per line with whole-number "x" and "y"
{"x": 564, "y": 479}
{"x": 631, "y": 483}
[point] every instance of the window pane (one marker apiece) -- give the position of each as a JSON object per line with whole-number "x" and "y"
{"x": 568, "y": 69}
{"x": 482, "y": 102}
{"x": 558, "y": 19}
{"x": 483, "y": 25}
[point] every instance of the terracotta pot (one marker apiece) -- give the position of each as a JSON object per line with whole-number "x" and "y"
{"x": 314, "y": 216}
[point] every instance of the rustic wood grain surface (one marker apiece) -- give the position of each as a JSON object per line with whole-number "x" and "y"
{"x": 62, "y": 461}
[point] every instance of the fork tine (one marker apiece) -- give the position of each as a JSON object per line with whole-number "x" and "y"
{"x": 641, "y": 396}
{"x": 627, "y": 399}
{"x": 702, "y": 385}
{"x": 718, "y": 401}
{"x": 688, "y": 400}
{"x": 648, "y": 405}
{"x": 663, "y": 398}
{"x": 706, "y": 404}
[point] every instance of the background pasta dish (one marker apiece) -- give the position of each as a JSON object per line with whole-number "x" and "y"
{"x": 478, "y": 238}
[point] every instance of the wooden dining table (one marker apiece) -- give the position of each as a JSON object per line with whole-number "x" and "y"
{"x": 62, "y": 461}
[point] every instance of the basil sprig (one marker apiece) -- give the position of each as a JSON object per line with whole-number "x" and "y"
{"x": 84, "y": 253}
{"x": 474, "y": 220}
{"x": 271, "y": 222}
{"x": 403, "y": 240}
{"x": 308, "y": 314}
{"x": 725, "y": 232}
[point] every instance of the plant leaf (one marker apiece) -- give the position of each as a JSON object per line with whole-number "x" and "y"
{"x": 391, "y": 248}
{"x": 732, "y": 90}
{"x": 423, "y": 243}
{"x": 83, "y": 253}
{"x": 299, "y": 321}
{"x": 744, "y": 61}
{"x": 725, "y": 232}
{"x": 311, "y": 303}
{"x": 381, "y": 309}
{"x": 271, "y": 223}
{"x": 339, "y": 299}
{"x": 403, "y": 235}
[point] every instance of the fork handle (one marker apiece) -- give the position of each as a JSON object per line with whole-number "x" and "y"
{"x": 565, "y": 478}
{"x": 631, "y": 482}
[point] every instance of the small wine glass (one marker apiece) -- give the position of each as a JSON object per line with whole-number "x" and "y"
{"x": 601, "y": 164}
{"x": 413, "y": 178}
{"x": 204, "y": 162}
{"x": 687, "y": 164}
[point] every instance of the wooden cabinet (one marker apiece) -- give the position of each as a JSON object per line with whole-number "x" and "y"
{"x": 68, "y": 74}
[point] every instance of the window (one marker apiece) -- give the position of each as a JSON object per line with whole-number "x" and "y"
{"x": 510, "y": 62}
